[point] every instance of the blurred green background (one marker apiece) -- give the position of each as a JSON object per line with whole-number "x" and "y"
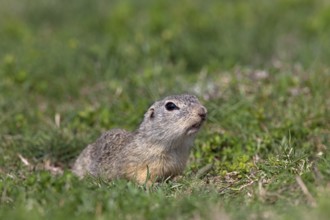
{"x": 46, "y": 43}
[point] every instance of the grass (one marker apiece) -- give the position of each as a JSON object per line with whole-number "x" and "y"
{"x": 72, "y": 70}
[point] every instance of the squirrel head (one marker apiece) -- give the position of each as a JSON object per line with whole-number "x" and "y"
{"x": 174, "y": 117}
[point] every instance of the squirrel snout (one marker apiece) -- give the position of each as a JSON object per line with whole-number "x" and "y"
{"x": 202, "y": 112}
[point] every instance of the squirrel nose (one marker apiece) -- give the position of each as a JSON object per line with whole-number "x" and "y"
{"x": 202, "y": 112}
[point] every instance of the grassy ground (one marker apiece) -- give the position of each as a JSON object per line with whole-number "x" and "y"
{"x": 71, "y": 70}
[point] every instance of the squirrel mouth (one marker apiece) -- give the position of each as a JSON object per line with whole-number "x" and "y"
{"x": 195, "y": 127}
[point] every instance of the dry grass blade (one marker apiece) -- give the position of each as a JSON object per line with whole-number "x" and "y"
{"x": 24, "y": 160}
{"x": 57, "y": 119}
{"x": 304, "y": 189}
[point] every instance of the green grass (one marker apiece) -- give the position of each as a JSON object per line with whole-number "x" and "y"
{"x": 260, "y": 67}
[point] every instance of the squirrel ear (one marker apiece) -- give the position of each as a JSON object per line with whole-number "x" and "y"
{"x": 151, "y": 113}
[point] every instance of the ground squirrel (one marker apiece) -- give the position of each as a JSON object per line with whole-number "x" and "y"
{"x": 157, "y": 150}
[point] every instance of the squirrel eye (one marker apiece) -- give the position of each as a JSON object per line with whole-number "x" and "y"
{"x": 170, "y": 106}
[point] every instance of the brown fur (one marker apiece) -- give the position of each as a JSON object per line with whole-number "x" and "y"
{"x": 158, "y": 149}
